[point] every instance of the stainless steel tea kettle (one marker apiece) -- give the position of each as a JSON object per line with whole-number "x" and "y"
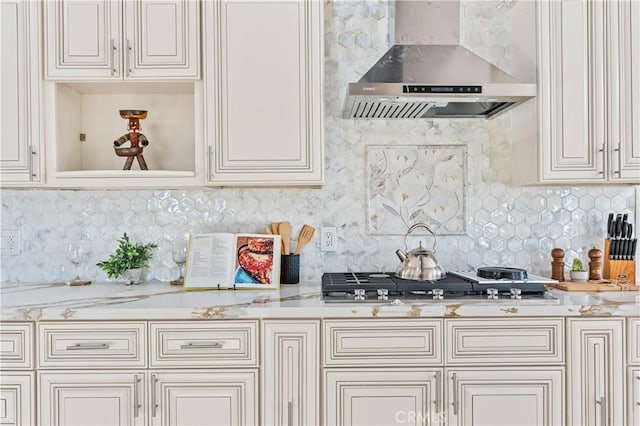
{"x": 419, "y": 264}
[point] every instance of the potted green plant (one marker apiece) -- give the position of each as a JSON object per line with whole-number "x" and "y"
{"x": 578, "y": 273}
{"x": 128, "y": 260}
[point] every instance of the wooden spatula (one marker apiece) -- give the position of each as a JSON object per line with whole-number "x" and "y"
{"x": 274, "y": 228}
{"x": 284, "y": 229}
{"x": 305, "y": 235}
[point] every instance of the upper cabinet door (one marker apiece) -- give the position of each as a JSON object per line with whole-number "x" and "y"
{"x": 589, "y": 91}
{"x": 625, "y": 135}
{"x": 571, "y": 50}
{"x": 20, "y": 131}
{"x": 115, "y": 40}
{"x": 162, "y": 39}
{"x": 83, "y": 39}
{"x": 264, "y": 106}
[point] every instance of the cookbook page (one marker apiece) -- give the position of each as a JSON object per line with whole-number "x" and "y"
{"x": 210, "y": 261}
{"x": 257, "y": 261}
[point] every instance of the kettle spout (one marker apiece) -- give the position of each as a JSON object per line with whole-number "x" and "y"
{"x": 401, "y": 255}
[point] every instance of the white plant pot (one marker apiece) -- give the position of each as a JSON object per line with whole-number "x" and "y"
{"x": 133, "y": 276}
{"x": 579, "y": 276}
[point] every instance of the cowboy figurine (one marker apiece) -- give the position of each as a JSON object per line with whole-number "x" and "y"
{"x": 135, "y": 137}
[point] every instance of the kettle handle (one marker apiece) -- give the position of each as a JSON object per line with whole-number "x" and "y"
{"x": 416, "y": 226}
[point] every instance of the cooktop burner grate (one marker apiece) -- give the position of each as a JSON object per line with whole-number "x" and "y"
{"x": 376, "y": 287}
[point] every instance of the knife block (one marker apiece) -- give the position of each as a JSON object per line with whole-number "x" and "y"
{"x": 623, "y": 271}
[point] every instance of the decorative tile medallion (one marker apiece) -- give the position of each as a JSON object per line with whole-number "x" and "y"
{"x": 409, "y": 184}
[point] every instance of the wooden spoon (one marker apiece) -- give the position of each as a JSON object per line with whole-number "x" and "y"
{"x": 284, "y": 229}
{"x": 305, "y": 235}
{"x": 274, "y": 228}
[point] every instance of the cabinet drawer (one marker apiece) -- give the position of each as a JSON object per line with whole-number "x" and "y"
{"x": 92, "y": 344}
{"x": 16, "y": 345}
{"x": 505, "y": 341}
{"x": 634, "y": 341}
{"x": 384, "y": 342}
{"x": 199, "y": 344}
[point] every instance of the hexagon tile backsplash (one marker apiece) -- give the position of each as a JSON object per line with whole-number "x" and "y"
{"x": 505, "y": 225}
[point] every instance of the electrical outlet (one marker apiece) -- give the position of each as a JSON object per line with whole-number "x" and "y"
{"x": 328, "y": 238}
{"x": 10, "y": 245}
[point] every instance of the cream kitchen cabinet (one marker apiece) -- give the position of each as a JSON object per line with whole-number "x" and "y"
{"x": 17, "y": 398}
{"x": 383, "y": 396}
{"x": 17, "y": 378}
{"x": 505, "y": 396}
{"x": 633, "y": 371}
{"x": 382, "y": 371}
{"x": 20, "y": 94}
{"x": 167, "y": 398}
{"x": 115, "y": 40}
{"x": 460, "y": 371}
{"x": 204, "y": 397}
{"x": 290, "y": 372}
{"x": 195, "y": 378}
{"x": 87, "y": 398}
{"x": 633, "y": 396}
{"x": 589, "y": 91}
{"x": 264, "y": 92}
{"x": 595, "y": 371}
{"x": 506, "y": 372}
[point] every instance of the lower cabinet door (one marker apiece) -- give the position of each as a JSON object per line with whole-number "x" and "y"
{"x": 376, "y": 396}
{"x": 502, "y": 396}
{"x": 91, "y": 398}
{"x": 633, "y": 395}
{"x": 206, "y": 398}
{"x": 595, "y": 372}
{"x": 17, "y": 399}
{"x": 290, "y": 372}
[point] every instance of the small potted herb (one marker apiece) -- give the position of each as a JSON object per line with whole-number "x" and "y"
{"x": 578, "y": 273}
{"x": 128, "y": 260}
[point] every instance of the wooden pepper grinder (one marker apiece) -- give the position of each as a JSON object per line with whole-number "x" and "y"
{"x": 595, "y": 264}
{"x": 557, "y": 265}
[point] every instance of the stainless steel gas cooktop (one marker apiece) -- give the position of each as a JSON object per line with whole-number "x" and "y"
{"x": 363, "y": 287}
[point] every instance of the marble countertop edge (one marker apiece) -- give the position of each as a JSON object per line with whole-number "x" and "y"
{"x": 161, "y": 301}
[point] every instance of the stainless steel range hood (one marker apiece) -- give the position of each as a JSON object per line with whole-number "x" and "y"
{"x": 426, "y": 74}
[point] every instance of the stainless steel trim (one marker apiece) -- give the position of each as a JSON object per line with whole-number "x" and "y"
{"x": 87, "y": 346}
{"x": 136, "y": 397}
{"x": 112, "y": 56}
{"x": 455, "y": 394}
{"x": 203, "y": 345}
{"x": 154, "y": 402}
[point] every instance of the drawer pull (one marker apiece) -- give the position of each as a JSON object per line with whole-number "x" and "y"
{"x": 87, "y": 346}
{"x": 154, "y": 402}
{"x": 455, "y": 394}
{"x": 202, "y": 345}
{"x": 136, "y": 397}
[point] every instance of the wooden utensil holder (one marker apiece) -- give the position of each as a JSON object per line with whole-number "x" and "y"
{"x": 623, "y": 271}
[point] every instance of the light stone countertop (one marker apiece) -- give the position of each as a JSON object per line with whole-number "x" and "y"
{"x": 160, "y": 300}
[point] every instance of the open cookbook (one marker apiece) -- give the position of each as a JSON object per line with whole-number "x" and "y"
{"x": 225, "y": 260}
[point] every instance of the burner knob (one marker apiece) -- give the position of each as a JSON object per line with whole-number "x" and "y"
{"x": 492, "y": 293}
{"x": 516, "y": 293}
{"x": 383, "y": 294}
{"x": 359, "y": 294}
{"x": 438, "y": 293}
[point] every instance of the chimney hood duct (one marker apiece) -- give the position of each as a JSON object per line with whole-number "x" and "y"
{"x": 427, "y": 74}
